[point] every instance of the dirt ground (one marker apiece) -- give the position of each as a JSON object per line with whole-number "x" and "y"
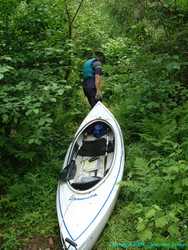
{"x": 42, "y": 243}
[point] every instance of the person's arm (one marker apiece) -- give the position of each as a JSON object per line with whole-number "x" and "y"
{"x": 98, "y": 82}
{"x": 98, "y": 79}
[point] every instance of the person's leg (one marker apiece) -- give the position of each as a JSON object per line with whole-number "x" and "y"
{"x": 92, "y": 97}
{"x": 91, "y": 93}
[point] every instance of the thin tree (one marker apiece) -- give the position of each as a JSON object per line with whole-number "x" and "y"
{"x": 71, "y": 20}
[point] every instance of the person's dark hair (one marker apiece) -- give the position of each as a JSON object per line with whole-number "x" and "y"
{"x": 100, "y": 55}
{"x": 88, "y": 54}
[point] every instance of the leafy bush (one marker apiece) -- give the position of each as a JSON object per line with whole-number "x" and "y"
{"x": 41, "y": 105}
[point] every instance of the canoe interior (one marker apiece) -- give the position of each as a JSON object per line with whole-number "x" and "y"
{"x": 91, "y": 158}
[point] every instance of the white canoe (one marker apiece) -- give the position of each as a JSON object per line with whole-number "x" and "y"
{"x": 89, "y": 183}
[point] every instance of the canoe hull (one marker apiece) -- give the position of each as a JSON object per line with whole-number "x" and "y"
{"x": 82, "y": 215}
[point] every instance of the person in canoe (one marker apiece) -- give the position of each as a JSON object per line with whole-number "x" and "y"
{"x": 92, "y": 74}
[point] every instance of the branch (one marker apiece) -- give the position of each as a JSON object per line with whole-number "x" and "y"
{"x": 67, "y": 11}
{"x": 76, "y": 13}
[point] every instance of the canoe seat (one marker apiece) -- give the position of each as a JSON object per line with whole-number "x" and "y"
{"x": 96, "y": 148}
{"x": 86, "y": 183}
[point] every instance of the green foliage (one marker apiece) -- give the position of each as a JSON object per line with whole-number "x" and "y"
{"x": 10, "y": 240}
{"x": 41, "y": 105}
{"x": 146, "y": 81}
{"x": 30, "y": 202}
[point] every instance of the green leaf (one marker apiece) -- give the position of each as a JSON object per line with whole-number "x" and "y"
{"x": 6, "y": 58}
{"x": 49, "y": 120}
{"x": 156, "y": 207}
{"x": 173, "y": 230}
{"x": 36, "y": 111}
{"x": 173, "y": 66}
{"x": 141, "y": 225}
{"x": 140, "y": 162}
{"x": 31, "y": 141}
{"x": 4, "y": 69}
{"x": 5, "y": 118}
{"x": 53, "y": 99}
{"x": 177, "y": 189}
{"x": 145, "y": 235}
{"x": 42, "y": 122}
{"x": 150, "y": 213}
{"x": 60, "y": 92}
{"x": 161, "y": 222}
{"x": 185, "y": 182}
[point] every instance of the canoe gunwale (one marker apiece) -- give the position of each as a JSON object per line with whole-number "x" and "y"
{"x": 72, "y": 147}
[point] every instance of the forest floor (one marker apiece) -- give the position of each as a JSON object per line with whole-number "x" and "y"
{"x": 43, "y": 243}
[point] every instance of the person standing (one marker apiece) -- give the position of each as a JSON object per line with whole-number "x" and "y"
{"x": 92, "y": 74}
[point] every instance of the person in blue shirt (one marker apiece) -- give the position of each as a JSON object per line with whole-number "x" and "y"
{"x": 92, "y": 74}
